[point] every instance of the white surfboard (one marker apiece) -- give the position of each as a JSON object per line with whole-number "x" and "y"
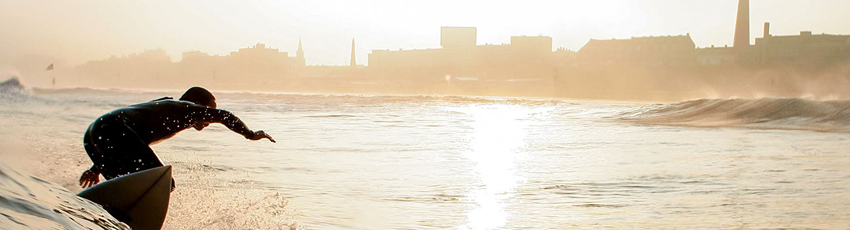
{"x": 140, "y": 199}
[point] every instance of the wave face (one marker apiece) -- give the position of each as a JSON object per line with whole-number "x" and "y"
{"x": 776, "y": 113}
{"x": 11, "y": 90}
{"x": 12, "y": 85}
{"x": 28, "y": 202}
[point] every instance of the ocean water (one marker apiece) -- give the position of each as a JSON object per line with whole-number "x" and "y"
{"x": 442, "y": 162}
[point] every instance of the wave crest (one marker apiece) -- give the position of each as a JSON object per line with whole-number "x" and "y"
{"x": 12, "y": 90}
{"x": 11, "y": 84}
{"x": 777, "y": 113}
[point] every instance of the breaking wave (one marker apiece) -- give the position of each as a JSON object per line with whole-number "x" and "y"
{"x": 11, "y": 90}
{"x": 11, "y": 86}
{"x": 770, "y": 113}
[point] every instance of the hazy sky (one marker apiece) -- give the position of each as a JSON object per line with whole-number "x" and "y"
{"x": 81, "y": 30}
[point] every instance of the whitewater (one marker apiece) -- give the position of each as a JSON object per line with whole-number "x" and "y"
{"x": 447, "y": 162}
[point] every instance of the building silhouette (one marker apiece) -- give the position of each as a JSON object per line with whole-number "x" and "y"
{"x": 526, "y": 57}
{"x": 244, "y": 68}
{"x": 715, "y": 56}
{"x": 805, "y": 48}
{"x": 458, "y": 37}
{"x": 639, "y": 51}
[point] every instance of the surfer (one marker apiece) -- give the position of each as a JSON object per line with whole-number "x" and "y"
{"x": 118, "y": 142}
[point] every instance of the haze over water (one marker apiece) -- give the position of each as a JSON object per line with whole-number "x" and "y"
{"x": 752, "y": 133}
{"x": 416, "y": 162}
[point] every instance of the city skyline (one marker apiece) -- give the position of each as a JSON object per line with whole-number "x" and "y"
{"x": 657, "y": 66}
{"x": 328, "y": 46}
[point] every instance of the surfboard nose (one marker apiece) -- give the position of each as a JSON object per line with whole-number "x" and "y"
{"x": 139, "y": 199}
{"x": 158, "y": 170}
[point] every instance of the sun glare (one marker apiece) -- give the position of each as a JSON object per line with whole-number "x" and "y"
{"x": 495, "y": 144}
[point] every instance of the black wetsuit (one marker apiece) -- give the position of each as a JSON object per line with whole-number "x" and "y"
{"x": 118, "y": 142}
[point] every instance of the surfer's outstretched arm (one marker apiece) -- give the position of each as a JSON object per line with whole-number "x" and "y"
{"x": 232, "y": 122}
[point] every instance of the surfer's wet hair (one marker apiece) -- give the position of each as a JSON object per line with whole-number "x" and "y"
{"x": 199, "y": 96}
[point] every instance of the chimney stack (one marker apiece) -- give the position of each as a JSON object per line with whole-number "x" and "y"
{"x": 742, "y": 26}
{"x": 766, "y": 29}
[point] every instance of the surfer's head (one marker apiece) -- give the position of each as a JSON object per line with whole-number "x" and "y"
{"x": 199, "y": 96}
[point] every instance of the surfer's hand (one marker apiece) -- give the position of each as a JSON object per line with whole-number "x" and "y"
{"x": 172, "y": 185}
{"x": 89, "y": 179}
{"x": 260, "y": 135}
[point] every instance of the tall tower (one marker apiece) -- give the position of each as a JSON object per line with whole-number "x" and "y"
{"x": 353, "y": 61}
{"x": 299, "y": 55}
{"x": 742, "y": 26}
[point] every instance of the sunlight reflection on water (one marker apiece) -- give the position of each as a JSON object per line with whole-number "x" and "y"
{"x": 495, "y": 144}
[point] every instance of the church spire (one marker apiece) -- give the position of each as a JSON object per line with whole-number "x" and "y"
{"x": 353, "y": 60}
{"x": 299, "y": 55}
